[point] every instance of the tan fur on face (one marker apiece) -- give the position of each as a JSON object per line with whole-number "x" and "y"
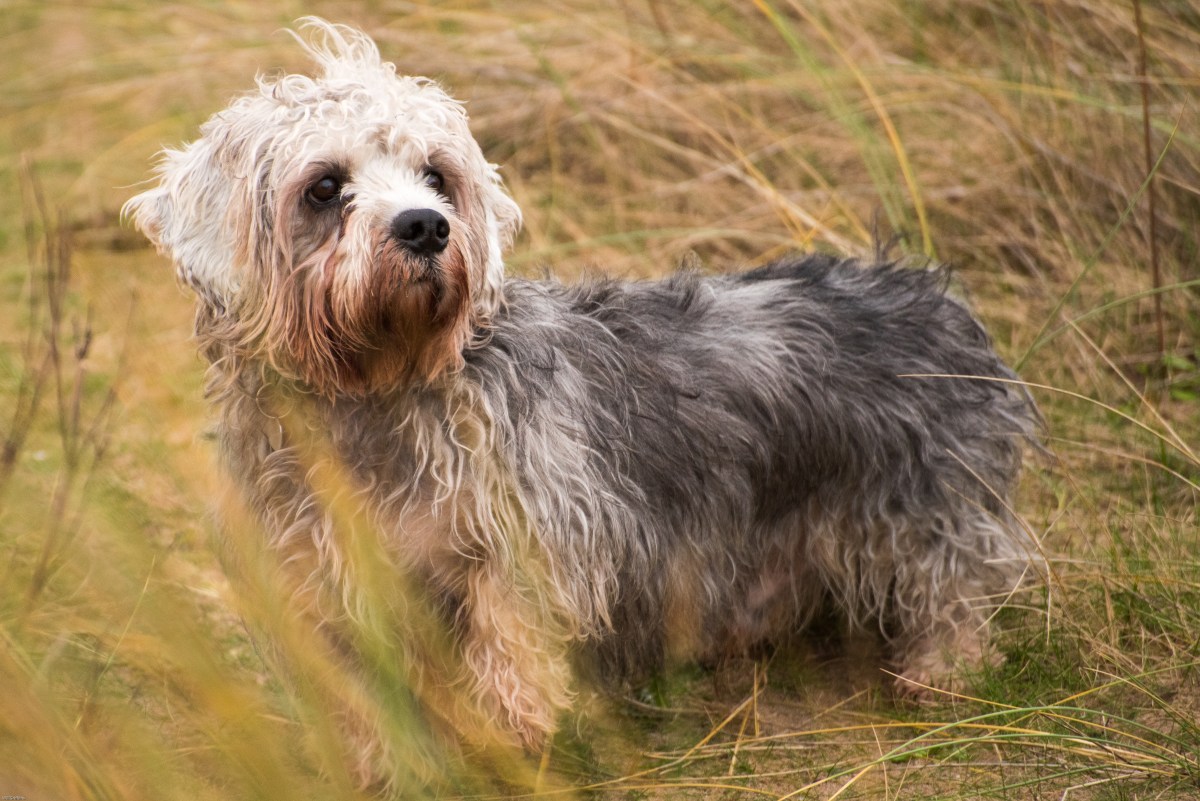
{"x": 352, "y": 328}
{"x": 323, "y": 295}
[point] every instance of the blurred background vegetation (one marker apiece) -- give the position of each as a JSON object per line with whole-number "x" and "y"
{"x": 1048, "y": 150}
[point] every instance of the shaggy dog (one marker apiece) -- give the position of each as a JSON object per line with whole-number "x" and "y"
{"x": 598, "y": 475}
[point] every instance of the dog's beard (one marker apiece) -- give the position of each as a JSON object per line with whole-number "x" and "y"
{"x": 401, "y": 318}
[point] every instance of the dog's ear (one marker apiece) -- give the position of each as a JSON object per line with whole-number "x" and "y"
{"x": 506, "y": 212}
{"x": 503, "y": 221}
{"x": 186, "y": 217}
{"x": 150, "y": 212}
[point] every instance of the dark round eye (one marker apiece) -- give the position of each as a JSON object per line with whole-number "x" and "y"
{"x": 325, "y": 191}
{"x": 434, "y": 180}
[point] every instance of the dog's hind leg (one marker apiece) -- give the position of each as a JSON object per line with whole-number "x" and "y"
{"x": 942, "y": 597}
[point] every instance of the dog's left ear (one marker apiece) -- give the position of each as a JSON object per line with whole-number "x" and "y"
{"x": 506, "y": 212}
{"x": 502, "y": 216}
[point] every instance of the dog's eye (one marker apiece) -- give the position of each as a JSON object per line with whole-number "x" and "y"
{"x": 325, "y": 191}
{"x": 434, "y": 180}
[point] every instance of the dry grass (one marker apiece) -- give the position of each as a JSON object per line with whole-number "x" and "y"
{"x": 1013, "y": 139}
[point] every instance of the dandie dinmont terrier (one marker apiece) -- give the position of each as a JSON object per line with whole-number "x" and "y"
{"x": 597, "y": 475}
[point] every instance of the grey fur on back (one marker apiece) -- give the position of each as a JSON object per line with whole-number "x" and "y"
{"x": 779, "y": 421}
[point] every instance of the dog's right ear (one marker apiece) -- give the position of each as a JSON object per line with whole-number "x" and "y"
{"x": 186, "y": 217}
{"x": 150, "y": 211}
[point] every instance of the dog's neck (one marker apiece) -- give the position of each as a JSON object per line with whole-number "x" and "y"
{"x": 293, "y": 414}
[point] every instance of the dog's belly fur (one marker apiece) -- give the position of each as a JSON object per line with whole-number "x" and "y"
{"x": 710, "y": 458}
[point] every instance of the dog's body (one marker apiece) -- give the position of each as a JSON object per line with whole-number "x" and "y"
{"x": 615, "y": 471}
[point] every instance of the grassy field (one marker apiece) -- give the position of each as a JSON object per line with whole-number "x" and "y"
{"x": 1049, "y": 150}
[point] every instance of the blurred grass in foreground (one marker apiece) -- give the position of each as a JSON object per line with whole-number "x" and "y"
{"x": 1016, "y": 140}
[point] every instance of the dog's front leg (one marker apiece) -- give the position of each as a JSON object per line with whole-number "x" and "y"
{"x": 517, "y": 666}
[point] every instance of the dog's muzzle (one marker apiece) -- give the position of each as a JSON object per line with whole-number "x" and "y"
{"x": 422, "y": 232}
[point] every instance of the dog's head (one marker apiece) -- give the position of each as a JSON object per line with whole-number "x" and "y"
{"x": 347, "y": 228}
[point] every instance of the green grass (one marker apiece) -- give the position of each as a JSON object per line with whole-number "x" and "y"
{"x": 1008, "y": 138}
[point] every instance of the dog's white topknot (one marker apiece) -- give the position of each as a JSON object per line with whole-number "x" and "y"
{"x": 339, "y": 48}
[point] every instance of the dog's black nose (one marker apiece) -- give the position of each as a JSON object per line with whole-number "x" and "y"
{"x": 424, "y": 232}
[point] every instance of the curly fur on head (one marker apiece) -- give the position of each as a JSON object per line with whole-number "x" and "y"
{"x": 602, "y": 475}
{"x": 320, "y": 290}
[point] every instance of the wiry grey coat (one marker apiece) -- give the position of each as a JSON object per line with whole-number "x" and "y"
{"x": 724, "y": 454}
{"x": 700, "y": 464}
{"x": 608, "y": 474}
